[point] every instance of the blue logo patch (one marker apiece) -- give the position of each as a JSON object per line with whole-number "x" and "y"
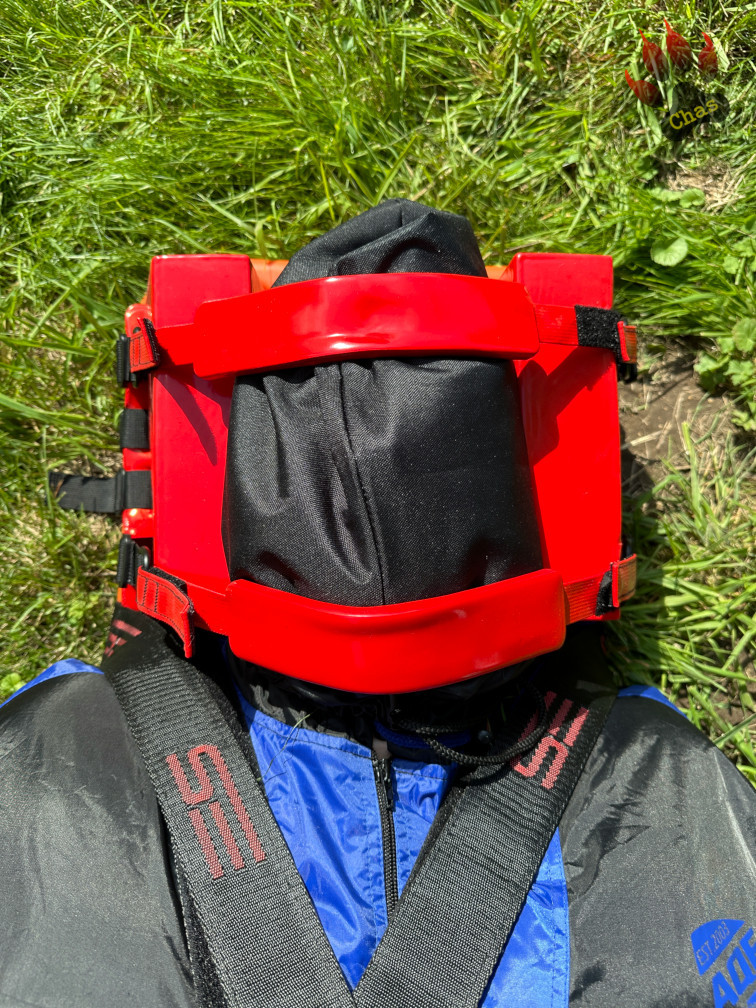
{"x": 710, "y": 940}
{"x": 734, "y": 982}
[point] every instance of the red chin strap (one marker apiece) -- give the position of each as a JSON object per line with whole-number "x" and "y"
{"x": 201, "y": 325}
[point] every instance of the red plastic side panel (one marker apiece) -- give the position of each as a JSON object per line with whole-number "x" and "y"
{"x": 555, "y": 278}
{"x": 190, "y": 424}
{"x": 570, "y": 413}
{"x": 398, "y": 648}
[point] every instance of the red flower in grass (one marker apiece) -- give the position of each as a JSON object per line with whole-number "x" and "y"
{"x": 678, "y": 48}
{"x": 654, "y": 59}
{"x": 645, "y": 91}
{"x": 707, "y": 59}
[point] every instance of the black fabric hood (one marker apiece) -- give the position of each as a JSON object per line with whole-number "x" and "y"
{"x": 376, "y": 482}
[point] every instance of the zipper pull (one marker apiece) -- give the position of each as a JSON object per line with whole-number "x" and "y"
{"x": 382, "y": 771}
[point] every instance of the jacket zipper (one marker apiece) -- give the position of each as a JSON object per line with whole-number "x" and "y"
{"x": 385, "y": 792}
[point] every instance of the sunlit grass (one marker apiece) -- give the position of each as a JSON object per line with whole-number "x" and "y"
{"x": 132, "y": 129}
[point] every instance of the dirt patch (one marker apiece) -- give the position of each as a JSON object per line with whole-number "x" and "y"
{"x": 719, "y": 181}
{"x": 652, "y": 413}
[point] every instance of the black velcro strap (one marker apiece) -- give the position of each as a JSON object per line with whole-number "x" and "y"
{"x": 479, "y": 861}
{"x": 134, "y": 430}
{"x": 597, "y": 327}
{"x": 261, "y": 928}
{"x": 103, "y": 495}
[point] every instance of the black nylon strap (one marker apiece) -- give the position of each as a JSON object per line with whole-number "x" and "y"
{"x": 262, "y": 931}
{"x": 134, "y": 430}
{"x": 103, "y": 495}
{"x": 479, "y": 861}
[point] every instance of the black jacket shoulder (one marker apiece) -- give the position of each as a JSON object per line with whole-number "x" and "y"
{"x": 659, "y": 841}
{"x": 88, "y": 914}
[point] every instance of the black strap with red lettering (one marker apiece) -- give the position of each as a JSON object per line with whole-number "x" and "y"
{"x": 258, "y": 924}
{"x": 260, "y": 927}
{"x": 482, "y": 855}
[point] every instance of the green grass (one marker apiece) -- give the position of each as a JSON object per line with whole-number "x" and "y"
{"x": 690, "y": 627}
{"x": 130, "y": 129}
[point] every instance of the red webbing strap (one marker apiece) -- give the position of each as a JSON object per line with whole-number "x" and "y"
{"x": 582, "y": 596}
{"x": 628, "y": 342}
{"x": 557, "y": 324}
{"x": 144, "y": 352}
{"x": 625, "y": 580}
{"x": 163, "y": 596}
{"x": 143, "y": 347}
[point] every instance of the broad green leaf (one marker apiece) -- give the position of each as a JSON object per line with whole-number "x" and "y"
{"x": 740, "y": 371}
{"x": 706, "y": 364}
{"x": 692, "y": 197}
{"x": 731, "y": 264}
{"x": 726, "y": 344}
{"x": 744, "y": 335}
{"x": 665, "y": 195}
{"x": 669, "y": 251}
{"x": 685, "y": 197}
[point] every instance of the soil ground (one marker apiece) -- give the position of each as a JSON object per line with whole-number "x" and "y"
{"x": 652, "y": 412}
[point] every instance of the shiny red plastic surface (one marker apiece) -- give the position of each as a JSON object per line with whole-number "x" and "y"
{"x": 389, "y": 649}
{"x": 569, "y": 401}
{"x": 189, "y": 424}
{"x": 558, "y": 278}
{"x": 571, "y": 420}
{"x": 390, "y": 314}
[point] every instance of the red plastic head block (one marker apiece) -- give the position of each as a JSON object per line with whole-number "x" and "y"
{"x": 570, "y": 413}
{"x": 555, "y": 278}
{"x": 569, "y": 401}
{"x": 189, "y": 423}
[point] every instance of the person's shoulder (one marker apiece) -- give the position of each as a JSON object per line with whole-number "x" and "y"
{"x": 68, "y": 698}
{"x": 657, "y": 844}
{"x": 644, "y": 721}
{"x": 68, "y": 721}
{"x": 653, "y": 767}
{"x": 60, "y": 672}
{"x": 81, "y": 826}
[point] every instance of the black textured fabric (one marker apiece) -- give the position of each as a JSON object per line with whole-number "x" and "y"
{"x": 373, "y": 482}
{"x": 658, "y": 839}
{"x": 88, "y": 912}
{"x": 134, "y": 430}
{"x": 597, "y": 327}
{"x": 102, "y": 495}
